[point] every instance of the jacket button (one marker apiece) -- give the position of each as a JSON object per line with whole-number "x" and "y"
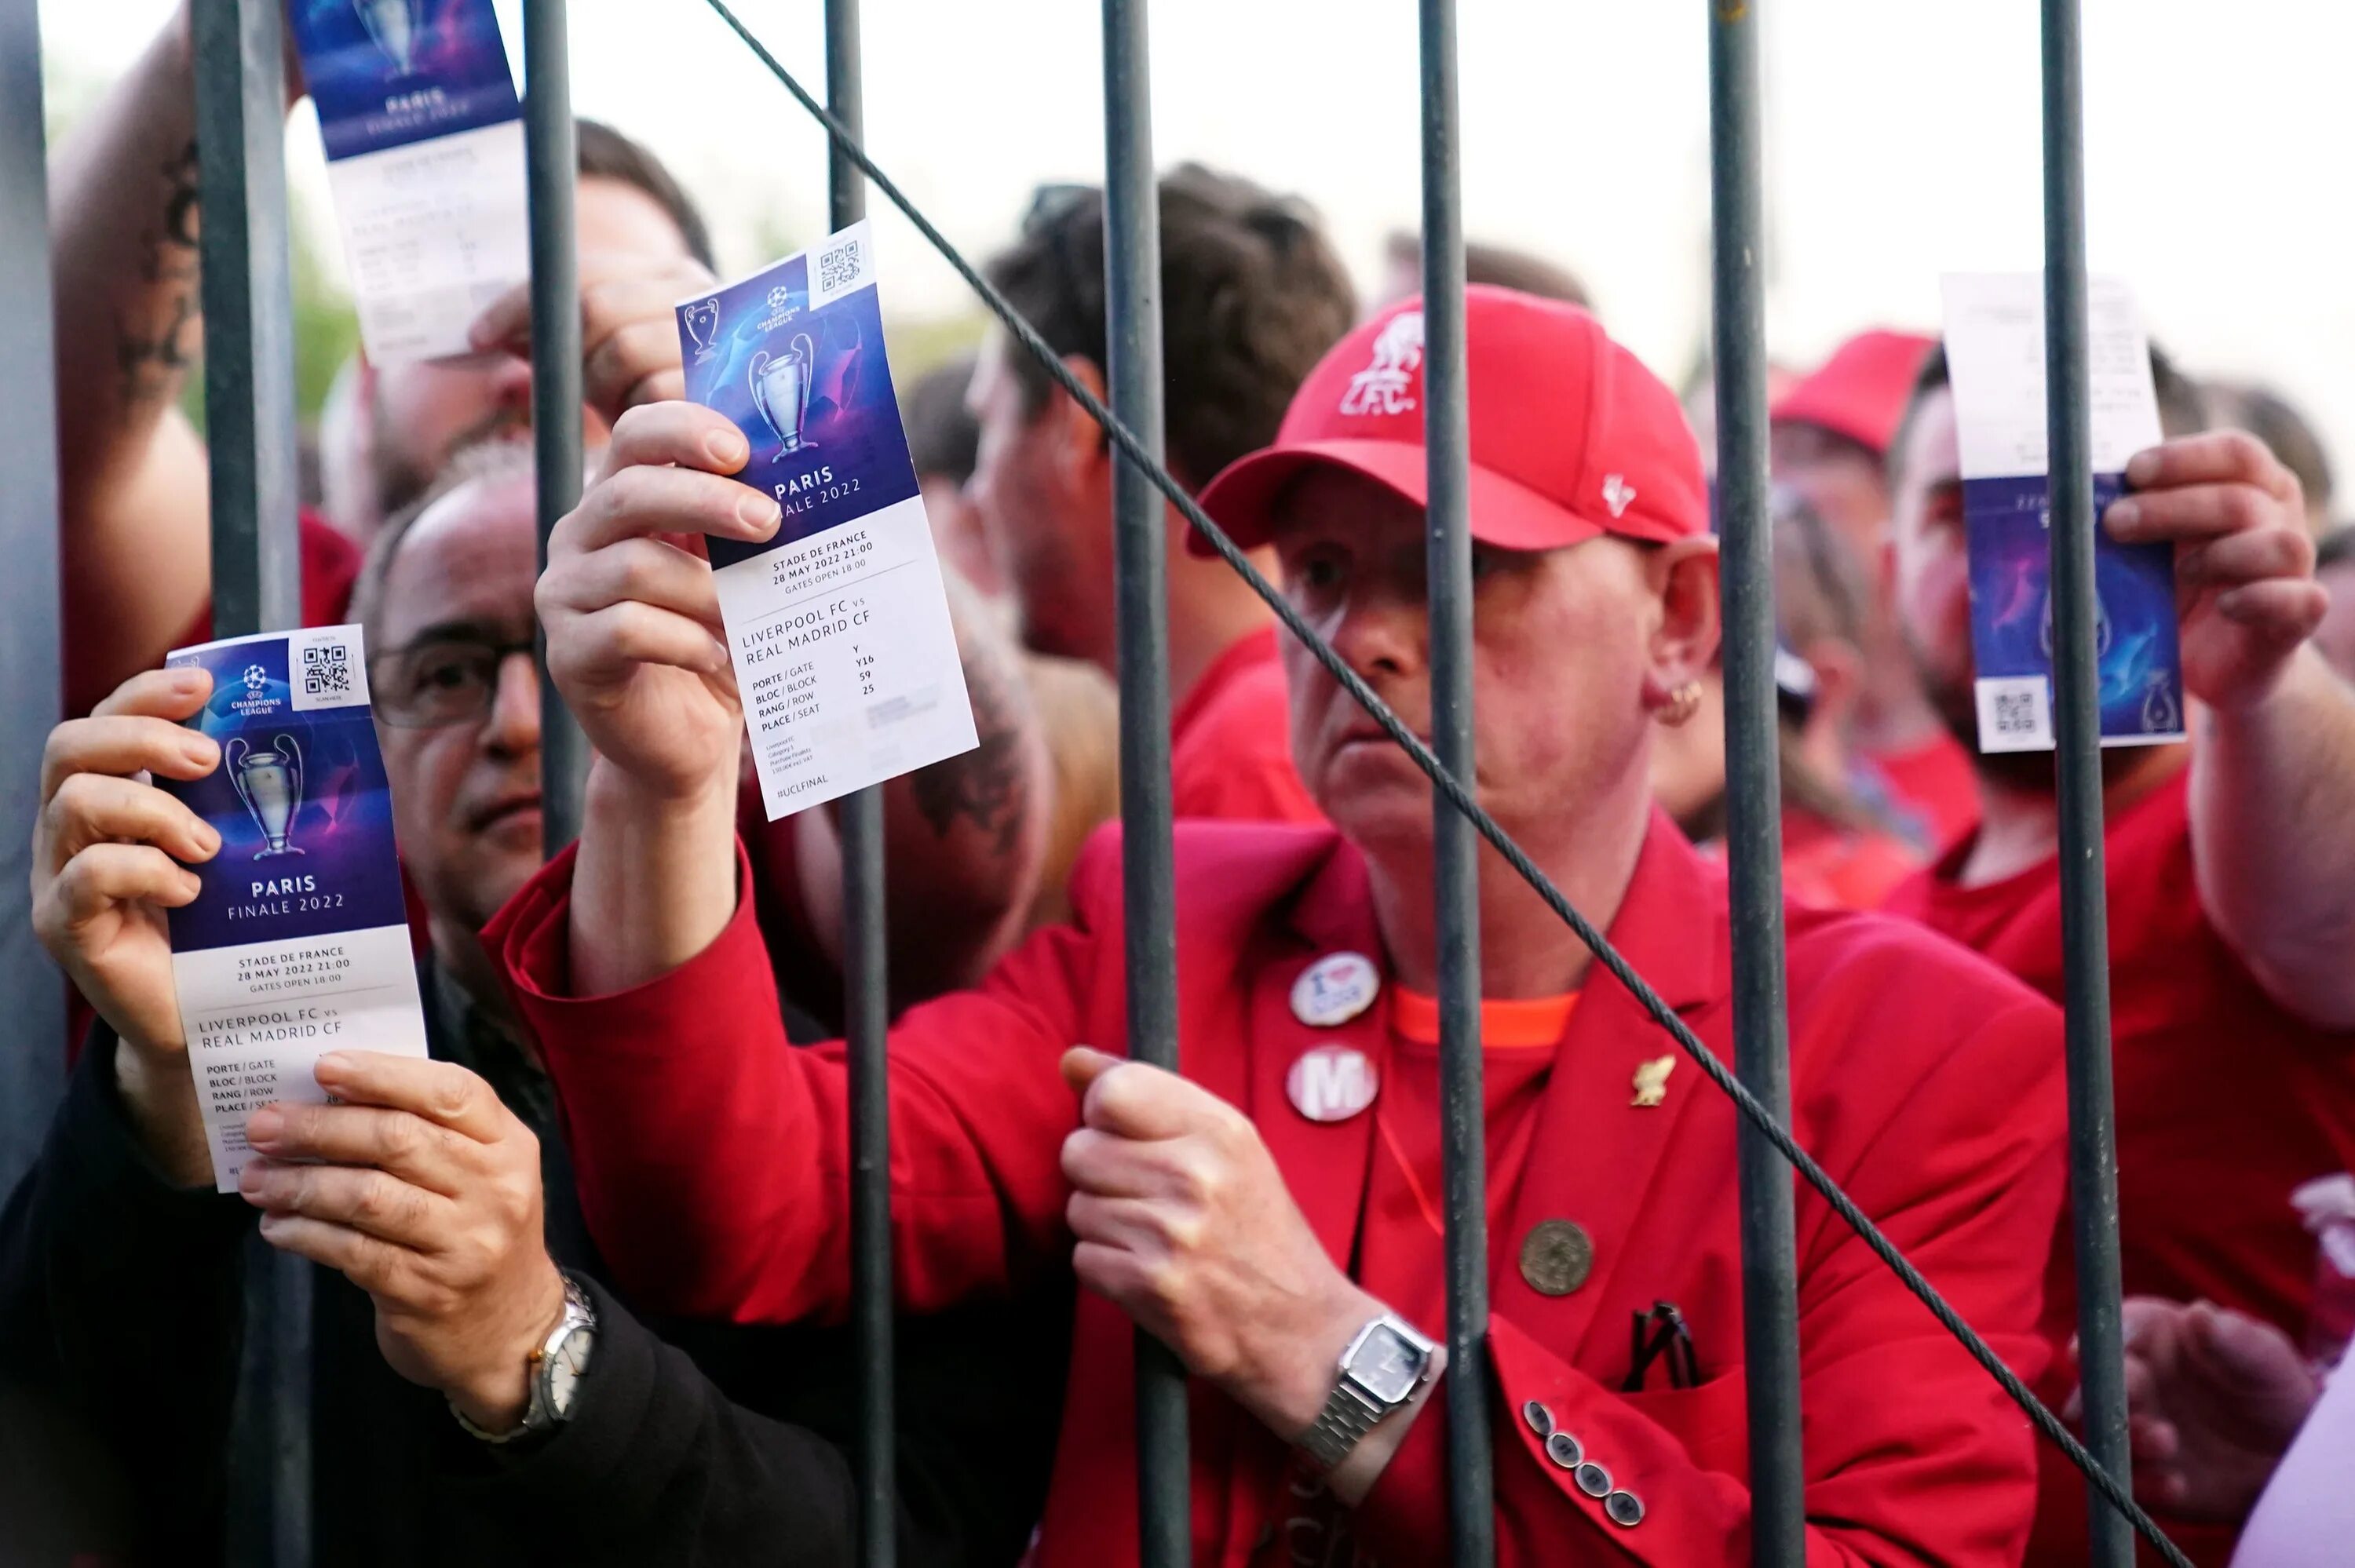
{"x": 1594, "y": 1479}
{"x": 1539, "y": 1418}
{"x": 1563, "y": 1450}
{"x": 1556, "y": 1256}
{"x": 1626, "y": 1509}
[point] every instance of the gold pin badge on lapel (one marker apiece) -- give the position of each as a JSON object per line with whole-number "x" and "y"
{"x": 1652, "y": 1080}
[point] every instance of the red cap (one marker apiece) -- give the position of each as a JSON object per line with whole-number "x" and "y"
{"x": 1572, "y": 436}
{"x": 1860, "y": 392}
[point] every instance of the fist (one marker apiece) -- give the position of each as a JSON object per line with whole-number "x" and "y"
{"x": 107, "y": 848}
{"x": 423, "y": 1190}
{"x": 635, "y": 639}
{"x": 2245, "y": 595}
{"x": 2213, "y": 1397}
{"x": 1185, "y": 1223}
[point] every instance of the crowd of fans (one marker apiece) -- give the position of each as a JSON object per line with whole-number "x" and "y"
{"x": 635, "y": 1105}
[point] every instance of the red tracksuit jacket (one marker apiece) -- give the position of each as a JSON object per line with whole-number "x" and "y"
{"x": 712, "y": 1162}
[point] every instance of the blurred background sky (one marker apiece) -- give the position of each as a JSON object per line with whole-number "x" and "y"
{"x": 1902, "y": 141}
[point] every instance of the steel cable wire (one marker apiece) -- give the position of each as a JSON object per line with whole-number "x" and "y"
{"x": 1445, "y": 782}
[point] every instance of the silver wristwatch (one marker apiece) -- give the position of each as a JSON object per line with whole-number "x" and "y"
{"x": 1381, "y": 1370}
{"x": 557, "y": 1368}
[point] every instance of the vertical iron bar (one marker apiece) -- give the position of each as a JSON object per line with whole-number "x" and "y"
{"x": 32, "y": 1074}
{"x": 551, "y": 165}
{"x": 1132, "y": 317}
{"x": 1770, "y": 1289}
{"x": 2093, "y": 1140}
{"x": 1472, "y": 1528}
{"x": 249, "y": 311}
{"x": 865, "y": 990}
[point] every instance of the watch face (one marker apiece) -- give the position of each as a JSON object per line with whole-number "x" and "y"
{"x": 1388, "y": 1365}
{"x": 564, "y": 1370}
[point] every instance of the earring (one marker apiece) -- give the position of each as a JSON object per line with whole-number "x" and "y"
{"x": 1682, "y": 703}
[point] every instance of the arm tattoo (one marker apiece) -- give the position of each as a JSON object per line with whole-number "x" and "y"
{"x": 984, "y": 786}
{"x": 152, "y": 354}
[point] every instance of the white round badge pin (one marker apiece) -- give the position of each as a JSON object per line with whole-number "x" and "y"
{"x": 1334, "y": 990}
{"x": 1332, "y": 1082}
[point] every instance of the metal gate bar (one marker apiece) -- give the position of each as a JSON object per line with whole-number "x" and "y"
{"x": 1132, "y": 339}
{"x": 1754, "y": 838}
{"x": 1456, "y": 873}
{"x": 248, "y": 313}
{"x": 2077, "y": 714}
{"x": 551, "y": 162}
{"x": 1131, "y": 446}
{"x": 32, "y": 1072}
{"x": 866, "y": 991}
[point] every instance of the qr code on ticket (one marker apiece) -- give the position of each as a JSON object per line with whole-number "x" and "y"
{"x": 2015, "y": 714}
{"x": 326, "y": 670}
{"x": 837, "y": 268}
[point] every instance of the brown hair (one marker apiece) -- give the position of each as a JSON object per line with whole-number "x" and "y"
{"x": 1252, "y": 296}
{"x": 1503, "y": 266}
{"x": 604, "y": 153}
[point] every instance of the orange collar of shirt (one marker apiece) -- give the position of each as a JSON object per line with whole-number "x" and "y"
{"x": 1517, "y": 1024}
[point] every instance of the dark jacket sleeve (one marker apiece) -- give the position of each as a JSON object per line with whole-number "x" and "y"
{"x": 657, "y": 1466}
{"x": 120, "y": 1307}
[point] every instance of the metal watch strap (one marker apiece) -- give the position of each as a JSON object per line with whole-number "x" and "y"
{"x": 1347, "y": 1417}
{"x": 538, "y": 1415}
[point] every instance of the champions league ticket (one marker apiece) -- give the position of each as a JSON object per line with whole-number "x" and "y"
{"x": 839, "y": 624}
{"x": 298, "y": 943}
{"x": 1994, "y": 350}
{"x": 425, "y": 160}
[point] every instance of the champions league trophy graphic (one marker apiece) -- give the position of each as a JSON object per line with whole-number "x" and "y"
{"x": 2101, "y": 632}
{"x": 780, "y": 390}
{"x": 703, "y": 330}
{"x": 2160, "y": 713}
{"x": 395, "y": 25}
{"x": 271, "y": 785}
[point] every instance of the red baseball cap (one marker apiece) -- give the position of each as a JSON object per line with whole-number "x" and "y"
{"x": 1572, "y": 436}
{"x": 1860, "y": 392}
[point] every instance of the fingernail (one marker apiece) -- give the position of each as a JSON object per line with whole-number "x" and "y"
{"x": 2142, "y": 466}
{"x": 262, "y": 1129}
{"x": 187, "y": 678}
{"x": 209, "y": 838}
{"x": 198, "y": 750}
{"x": 760, "y": 513}
{"x": 726, "y": 447}
{"x": 333, "y": 1065}
{"x": 2123, "y": 515}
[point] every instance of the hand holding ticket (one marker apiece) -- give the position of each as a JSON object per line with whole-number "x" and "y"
{"x": 295, "y": 941}
{"x": 837, "y": 624}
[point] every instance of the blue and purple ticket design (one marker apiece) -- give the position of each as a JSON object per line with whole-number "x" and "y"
{"x": 838, "y": 625}
{"x": 1994, "y": 350}
{"x": 425, "y": 159}
{"x": 298, "y": 943}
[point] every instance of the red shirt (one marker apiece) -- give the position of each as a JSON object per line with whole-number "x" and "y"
{"x": 2225, "y": 1101}
{"x": 1230, "y": 741}
{"x": 1841, "y": 867}
{"x": 712, "y": 1162}
{"x": 1936, "y": 785}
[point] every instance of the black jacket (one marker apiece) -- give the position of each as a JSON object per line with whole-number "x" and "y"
{"x": 120, "y": 1327}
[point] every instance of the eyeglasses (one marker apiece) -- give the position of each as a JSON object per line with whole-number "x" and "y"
{"x": 440, "y": 681}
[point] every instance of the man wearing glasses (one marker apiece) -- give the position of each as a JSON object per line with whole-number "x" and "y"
{"x": 119, "y": 1264}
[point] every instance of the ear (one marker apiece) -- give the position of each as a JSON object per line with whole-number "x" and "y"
{"x": 1838, "y": 666}
{"x": 1082, "y": 448}
{"x": 1683, "y": 578}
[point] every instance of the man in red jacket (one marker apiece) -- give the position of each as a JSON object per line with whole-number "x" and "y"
{"x": 1273, "y": 1213}
{"x": 2231, "y": 884}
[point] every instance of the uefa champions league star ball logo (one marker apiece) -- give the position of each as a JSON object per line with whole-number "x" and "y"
{"x": 269, "y": 783}
{"x": 703, "y": 329}
{"x": 396, "y": 28}
{"x": 780, "y": 297}
{"x": 256, "y": 680}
